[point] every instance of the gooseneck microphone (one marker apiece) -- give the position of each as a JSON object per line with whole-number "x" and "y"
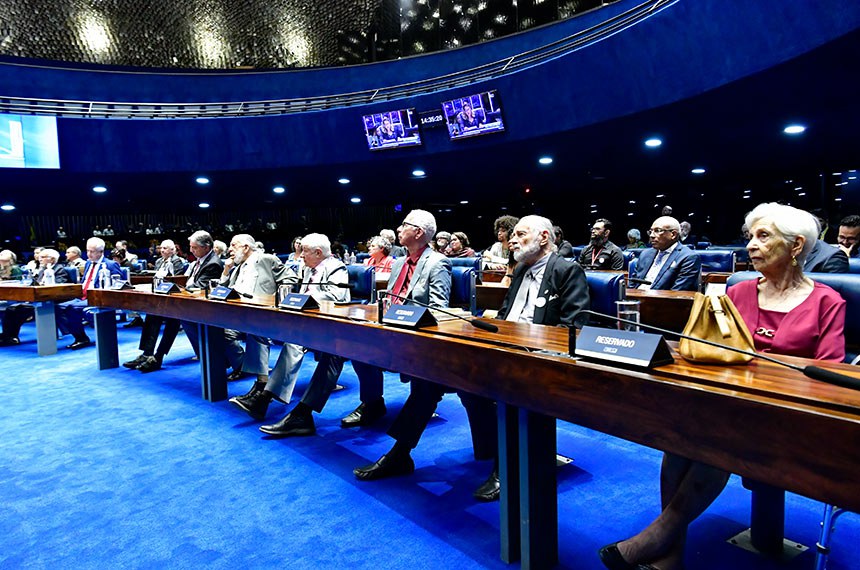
{"x": 814, "y": 372}
{"x": 483, "y": 325}
{"x": 638, "y": 281}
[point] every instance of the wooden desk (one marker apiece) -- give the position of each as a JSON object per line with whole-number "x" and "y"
{"x": 43, "y": 298}
{"x": 490, "y": 295}
{"x": 665, "y": 309}
{"x": 138, "y": 279}
{"x": 761, "y": 421}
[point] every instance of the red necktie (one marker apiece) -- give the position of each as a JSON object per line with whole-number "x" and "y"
{"x": 401, "y": 287}
{"x": 88, "y": 281}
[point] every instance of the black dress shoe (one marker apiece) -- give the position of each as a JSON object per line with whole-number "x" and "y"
{"x": 135, "y": 322}
{"x": 256, "y": 405}
{"x": 150, "y": 364}
{"x": 292, "y": 424}
{"x": 490, "y": 490}
{"x": 388, "y": 465}
{"x": 364, "y": 414}
{"x": 10, "y": 341}
{"x": 135, "y": 363}
{"x": 612, "y": 559}
{"x": 235, "y": 375}
{"x": 78, "y": 344}
{"x": 258, "y": 386}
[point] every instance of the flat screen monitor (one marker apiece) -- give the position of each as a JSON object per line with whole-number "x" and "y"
{"x": 28, "y": 141}
{"x": 477, "y": 114}
{"x": 392, "y": 129}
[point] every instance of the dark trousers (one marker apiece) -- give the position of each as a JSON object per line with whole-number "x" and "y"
{"x": 324, "y": 379}
{"x": 149, "y": 335}
{"x": 423, "y": 398}
{"x": 13, "y": 317}
{"x": 70, "y": 318}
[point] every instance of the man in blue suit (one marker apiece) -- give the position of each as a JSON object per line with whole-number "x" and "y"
{"x": 669, "y": 264}
{"x": 70, "y": 315}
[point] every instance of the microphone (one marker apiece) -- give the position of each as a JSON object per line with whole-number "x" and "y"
{"x": 638, "y": 281}
{"x": 326, "y": 284}
{"x": 483, "y": 325}
{"x": 814, "y": 372}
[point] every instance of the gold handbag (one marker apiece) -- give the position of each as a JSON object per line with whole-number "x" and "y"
{"x": 716, "y": 319}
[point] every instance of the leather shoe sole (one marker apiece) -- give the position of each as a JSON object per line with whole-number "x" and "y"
{"x": 385, "y": 466}
{"x": 364, "y": 415}
{"x": 79, "y": 344}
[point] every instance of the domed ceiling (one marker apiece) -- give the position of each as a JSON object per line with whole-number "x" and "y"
{"x": 228, "y": 34}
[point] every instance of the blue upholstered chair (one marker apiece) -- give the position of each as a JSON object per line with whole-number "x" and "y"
{"x": 604, "y": 288}
{"x": 854, "y": 265}
{"x": 463, "y": 288}
{"x": 472, "y": 262}
{"x": 362, "y": 280}
{"x": 847, "y": 285}
{"x": 703, "y": 245}
{"x": 629, "y": 256}
{"x": 360, "y": 257}
{"x": 72, "y": 272}
{"x": 714, "y": 260}
{"x": 577, "y": 249}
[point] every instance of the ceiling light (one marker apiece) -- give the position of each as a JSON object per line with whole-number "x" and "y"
{"x": 203, "y": 204}
{"x": 7, "y": 207}
{"x": 464, "y": 202}
{"x": 653, "y": 143}
{"x": 343, "y": 180}
{"x": 545, "y": 160}
{"x": 355, "y": 200}
{"x": 837, "y": 174}
{"x": 202, "y": 180}
{"x": 698, "y": 171}
{"x": 794, "y": 129}
{"x": 418, "y": 173}
{"x": 99, "y": 189}
{"x": 279, "y": 189}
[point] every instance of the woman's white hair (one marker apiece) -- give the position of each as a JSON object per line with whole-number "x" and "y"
{"x": 789, "y": 223}
{"x": 317, "y": 241}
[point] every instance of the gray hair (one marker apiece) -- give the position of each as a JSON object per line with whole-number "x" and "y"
{"x": 381, "y": 243}
{"x": 424, "y": 220}
{"x": 202, "y": 238}
{"x": 218, "y": 246}
{"x": 245, "y": 239}
{"x": 634, "y": 233}
{"x": 389, "y": 235}
{"x": 789, "y": 223}
{"x": 10, "y": 254}
{"x": 169, "y": 243}
{"x": 318, "y": 241}
{"x": 52, "y": 253}
{"x": 538, "y": 224}
{"x": 96, "y": 242}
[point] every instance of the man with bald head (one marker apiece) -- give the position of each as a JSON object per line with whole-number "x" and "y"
{"x": 169, "y": 263}
{"x": 669, "y": 264}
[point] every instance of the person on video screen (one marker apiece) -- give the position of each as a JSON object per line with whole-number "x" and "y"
{"x": 468, "y": 119}
{"x": 387, "y": 131}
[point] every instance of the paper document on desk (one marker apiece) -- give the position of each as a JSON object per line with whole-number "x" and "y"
{"x": 442, "y": 317}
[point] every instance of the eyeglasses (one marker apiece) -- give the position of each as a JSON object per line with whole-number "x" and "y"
{"x": 405, "y": 223}
{"x": 658, "y": 231}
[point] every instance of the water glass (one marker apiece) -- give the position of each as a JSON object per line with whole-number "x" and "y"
{"x": 629, "y": 311}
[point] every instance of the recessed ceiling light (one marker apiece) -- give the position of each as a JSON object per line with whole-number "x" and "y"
{"x": 464, "y": 202}
{"x": 794, "y": 129}
{"x": 7, "y": 207}
{"x": 698, "y": 171}
{"x": 545, "y": 160}
{"x": 202, "y": 180}
{"x": 418, "y": 173}
{"x": 279, "y": 189}
{"x": 355, "y": 200}
{"x": 343, "y": 180}
{"x": 653, "y": 143}
{"x": 99, "y": 189}
{"x": 203, "y": 204}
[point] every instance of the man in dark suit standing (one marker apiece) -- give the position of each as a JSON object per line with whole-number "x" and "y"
{"x": 669, "y": 264}
{"x": 70, "y": 315}
{"x": 206, "y": 267}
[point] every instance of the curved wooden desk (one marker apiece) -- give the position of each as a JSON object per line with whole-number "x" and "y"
{"x": 43, "y": 298}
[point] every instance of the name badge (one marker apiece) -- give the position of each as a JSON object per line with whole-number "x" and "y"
{"x": 298, "y": 302}
{"x": 624, "y": 347}
{"x": 222, "y": 293}
{"x": 411, "y": 316}
{"x": 165, "y": 288}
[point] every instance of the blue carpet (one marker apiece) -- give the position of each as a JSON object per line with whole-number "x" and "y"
{"x": 119, "y": 469}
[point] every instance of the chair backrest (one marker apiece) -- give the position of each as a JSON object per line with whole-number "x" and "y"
{"x": 139, "y": 264}
{"x": 72, "y": 272}
{"x": 631, "y": 266}
{"x": 362, "y": 279}
{"x": 473, "y": 262}
{"x": 629, "y": 256}
{"x": 126, "y": 273}
{"x": 714, "y": 260}
{"x": 463, "y": 288}
{"x": 703, "y": 245}
{"x": 284, "y": 257}
{"x": 846, "y": 284}
{"x": 577, "y": 249}
{"x": 360, "y": 257}
{"x": 636, "y": 251}
{"x": 854, "y": 265}
{"x": 604, "y": 288}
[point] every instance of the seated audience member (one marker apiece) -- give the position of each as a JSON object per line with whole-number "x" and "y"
{"x": 220, "y": 249}
{"x": 822, "y": 217}
{"x": 687, "y": 238}
{"x": 73, "y": 259}
{"x": 396, "y": 250}
{"x": 380, "y": 258}
{"x": 564, "y": 247}
{"x": 387, "y": 131}
{"x": 496, "y": 256}
{"x": 668, "y": 264}
{"x": 849, "y": 234}
{"x": 546, "y": 289}
{"x": 61, "y": 233}
{"x": 33, "y": 265}
{"x": 459, "y": 246}
{"x": 123, "y": 244}
{"x": 17, "y": 314}
{"x": 8, "y": 266}
{"x": 296, "y": 245}
{"x": 321, "y": 275}
{"x": 634, "y": 240}
{"x": 206, "y": 266}
{"x": 787, "y": 313}
{"x": 440, "y": 242}
{"x": 468, "y": 118}
{"x": 169, "y": 263}
{"x": 70, "y": 314}
{"x": 118, "y": 255}
{"x": 600, "y": 253}
{"x": 826, "y": 258}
